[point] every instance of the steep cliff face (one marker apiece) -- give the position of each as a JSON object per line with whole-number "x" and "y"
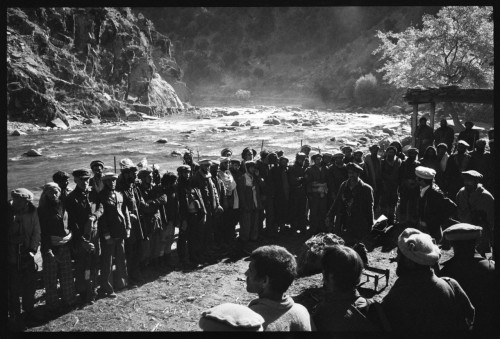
{"x": 87, "y": 62}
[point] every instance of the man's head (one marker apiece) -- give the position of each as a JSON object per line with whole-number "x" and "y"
{"x": 353, "y": 172}
{"x": 272, "y": 158}
{"x": 97, "y": 167}
{"x": 358, "y": 156}
{"x": 299, "y": 158}
{"x": 146, "y": 176}
{"x": 62, "y": 179}
{"x": 21, "y": 197}
{"x": 306, "y": 149}
{"x": 250, "y": 166}
{"x": 422, "y": 121}
{"x": 430, "y": 153}
{"x": 205, "y": 165}
{"x": 481, "y": 145}
{"x": 462, "y": 238}
{"x": 374, "y": 150}
{"x": 397, "y": 145}
{"x": 469, "y": 125}
{"x": 338, "y": 158}
{"x": 168, "y": 179}
{"x": 412, "y": 153}
{"x": 214, "y": 167}
{"x": 390, "y": 153}
{"x": 224, "y": 163}
{"x": 247, "y": 154}
{"x": 327, "y": 157}
{"x": 471, "y": 180}
{"x": 347, "y": 150}
{"x": 462, "y": 146}
{"x": 235, "y": 164}
{"x": 188, "y": 158}
{"x": 128, "y": 170}
{"x": 416, "y": 251}
{"x": 109, "y": 180}
{"x": 226, "y": 153}
{"x": 441, "y": 150}
{"x": 81, "y": 178}
{"x": 283, "y": 162}
{"x": 184, "y": 172}
{"x": 317, "y": 159}
{"x": 443, "y": 123}
{"x": 272, "y": 269}
{"x": 342, "y": 268}
{"x": 51, "y": 194}
{"x": 424, "y": 176}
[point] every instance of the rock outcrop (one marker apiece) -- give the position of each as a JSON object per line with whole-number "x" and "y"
{"x": 86, "y": 61}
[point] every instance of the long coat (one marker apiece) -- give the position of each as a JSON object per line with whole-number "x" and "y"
{"x": 245, "y": 194}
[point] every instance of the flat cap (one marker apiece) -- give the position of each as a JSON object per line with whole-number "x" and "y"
{"x": 346, "y": 148}
{"x": 215, "y": 162}
{"x": 462, "y": 231}
{"x": 300, "y": 155}
{"x": 205, "y": 162}
{"x": 225, "y": 151}
{"x": 224, "y": 159}
{"x": 472, "y": 174}
{"x": 374, "y": 146}
{"x": 305, "y": 147}
{"x": 183, "y": 168}
{"x": 463, "y": 142}
{"x": 284, "y": 158}
{"x": 468, "y": 123}
{"x": 109, "y": 176}
{"x": 316, "y": 155}
{"x": 358, "y": 152}
{"x": 231, "y": 317}
{"x": 249, "y": 163}
{"x": 327, "y": 154}
{"x": 81, "y": 173}
{"x": 425, "y": 172}
{"x": 235, "y": 161}
{"x": 51, "y": 186}
{"x": 22, "y": 193}
{"x": 352, "y": 166}
{"x": 96, "y": 163}
{"x": 413, "y": 150}
{"x": 339, "y": 155}
{"x": 418, "y": 247}
{"x": 443, "y": 145}
{"x": 145, "y": 172}
{"x": 126, "y": 163}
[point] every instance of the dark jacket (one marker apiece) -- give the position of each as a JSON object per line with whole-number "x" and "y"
{"x": 434, "y": 208}
{"x": 53, "y": 222}
{"x": 188, "y": 195}
{"x": 23, "y": 232}
{"x": 245, "y": 194}
{"x": 115, "y": 219}
{"x": 80, "y": 207}
{"x": 444, "y": 135}
{"x": 208, "y": 190}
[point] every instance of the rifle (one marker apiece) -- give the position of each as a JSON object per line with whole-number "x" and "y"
{"x": 114, "y": 160}
{"x": 198, "y": 151}
{"x": 262, "y": 146}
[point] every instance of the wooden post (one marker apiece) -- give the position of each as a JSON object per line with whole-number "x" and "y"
{"x": 414, "y": 124}
{"x": 433, "y": 112}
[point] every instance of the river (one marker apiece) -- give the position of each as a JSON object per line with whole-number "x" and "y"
{"x": 69, "y": 149}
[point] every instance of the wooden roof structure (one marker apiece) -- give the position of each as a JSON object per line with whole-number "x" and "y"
{"x": 419, "y": 95}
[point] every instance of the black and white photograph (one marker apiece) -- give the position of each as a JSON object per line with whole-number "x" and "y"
{"x": 283, "y": 169}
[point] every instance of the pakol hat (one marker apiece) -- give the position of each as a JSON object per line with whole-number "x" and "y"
{"x": 231, "y": 317}
{"x": 463, "y": 142}
{"x": 51, "y": 186}
{"x": 145, "y": 172}
{"x": 346, "y": 148}
{"x": 82, "y": 173}
{"x": 352, "y": 166}
{"x": 235, "y": 161}
{"x": 374, "y": 146}
{"x": 418, "y": 247}
{"x": 339, "y": 155}
{"x": 412, "y": 150}
{"x": 358, "y": 152}
{"x": 205, "y": 162}
{"x": 300, "y": 154}
{"x": 327, "y": 154}
{"x": 225, "y": 151}
{"x": 126, "y": 163}
{"x": 22, "y": 193}
{"x": 109, "y": 176}
{"x": 250, "y": 163}
{"x": 224, "y": 159}
{"x": 96, "y": 163}
{"x": 316, "y": 155}
{"x": 284, "y": 158}
{"x": 443, "y": 145}
{"x": 468, "y": 123}
{"x": 472, "y": 174}
{"x": 462, "y": 231}
{"x": 215, "y": 162}
{"x": 305, "y": 147}
{"x": 425, "y": 172}
{"x": 183, "y": 168}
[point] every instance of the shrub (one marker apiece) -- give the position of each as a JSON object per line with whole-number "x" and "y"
{"x": 365, "y": 90}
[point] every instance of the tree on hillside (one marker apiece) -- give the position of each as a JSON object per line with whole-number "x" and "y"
{"x": 455, "y": 47}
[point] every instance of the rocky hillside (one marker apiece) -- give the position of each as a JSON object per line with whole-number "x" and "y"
{"x": 73, "y": 65}
{"x": 292, "y": 53}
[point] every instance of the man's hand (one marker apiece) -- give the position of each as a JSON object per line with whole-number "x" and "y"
{"x": 219, "y": 210}
{"x": 128, "y": 233}
{"x": 133, "y": 216}
{"x": 88, "y": 246}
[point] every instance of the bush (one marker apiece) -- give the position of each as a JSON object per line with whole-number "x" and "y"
{"x": 365, "y": 90}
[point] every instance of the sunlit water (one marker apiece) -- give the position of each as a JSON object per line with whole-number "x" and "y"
{"x": 67, "y": 150}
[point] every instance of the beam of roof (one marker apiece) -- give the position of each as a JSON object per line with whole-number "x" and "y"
{"x": 448, "y": 94}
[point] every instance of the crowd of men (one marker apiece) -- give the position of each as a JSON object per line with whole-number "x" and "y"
{"x": 128, "y": 219}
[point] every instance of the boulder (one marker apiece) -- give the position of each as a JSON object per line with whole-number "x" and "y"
{"x": 388, "y": 131}
{"x": 91, "y": 121}
{"x": 233, "y": 113}
{"x": 57, "y": 123}
{"x": 309, "y": 256}
{"x": 364, "y": 139}
{"x": 272, "y": 121}
{"x": 33, "y": 153}
{"x": 162, "y": 141}
{"x": 134, "y": 117}
{"x": 175, "y": 154}
{"x": 17, "y": 133}
{"x": 235, "y": 123}
{"x": 255, "y": 127}
{"x": 248, "y": 123}
{"x": 332, "y": 139}
{"x": 306, "y": 124}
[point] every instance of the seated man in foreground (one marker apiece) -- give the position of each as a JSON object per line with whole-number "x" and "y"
{"x": 271, "y": 271}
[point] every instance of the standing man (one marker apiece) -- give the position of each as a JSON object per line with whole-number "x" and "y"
{"x": 348, "y": 157}
{"x": 279, "y": 177}
{"x": 457, "y": 163}
{"x": 114, "y": 228}
{"x": 480, "y": 159}
{"x": 424, "y": 135}
{"x": 298, "y": 196}
{"x": 442, "y": 158}
{"x": 188, "y": 160}
{"x": 271, "y": 271}
{"x": 434, "y": 208}
{"x": 390, "y": 183}
{"x": 444, "y": 134}
{"x": 337, "y": 174}
{"x": 202, "y": 180}
{"x": 23, "y": 236}
{"x": 408, "y": 188}
{"x": 353, "y": 208}
{"x": 469, "y": 135}
{"x": 250, "y": 204}
{"x": 317, "y": 191}
{"x": 474, "y": 273}
{"x": 358, "y": 158}
{"x": 230, "y": 203}
{"x": 477, "y": 206}
{"x": 374, "y": 173}
{"x": 419, "y": 300}
{"x": 306, "y": 149}
{"x": 83, "y": 216}
{"x": 97, "y": 167}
